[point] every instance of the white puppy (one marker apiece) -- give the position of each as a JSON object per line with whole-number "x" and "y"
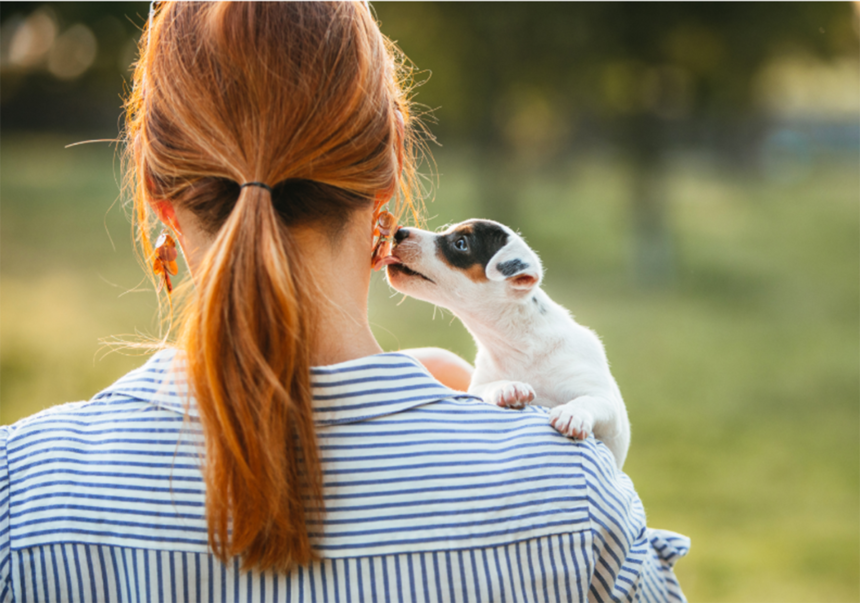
{"x": 530, "y": 350}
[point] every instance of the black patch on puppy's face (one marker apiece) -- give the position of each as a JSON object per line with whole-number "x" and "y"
{"x": 511, "y": 267}
{"x": 471, "y": 244}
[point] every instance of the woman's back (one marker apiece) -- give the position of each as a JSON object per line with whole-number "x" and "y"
{"x": 430, "y": 496}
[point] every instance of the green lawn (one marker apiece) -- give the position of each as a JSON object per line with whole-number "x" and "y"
{"x": 742, "y": 379}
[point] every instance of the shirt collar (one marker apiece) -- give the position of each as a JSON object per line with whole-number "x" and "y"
{"x": 351, "y": 391}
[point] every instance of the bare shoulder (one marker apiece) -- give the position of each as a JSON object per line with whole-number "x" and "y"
{"x": 446, "y": 366}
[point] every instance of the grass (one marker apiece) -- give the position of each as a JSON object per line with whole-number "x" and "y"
{"x": 742, "y": 378}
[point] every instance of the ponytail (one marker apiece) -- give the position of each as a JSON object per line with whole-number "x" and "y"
{"x": 305, "y": 99}
{"x": 246, "y": 335}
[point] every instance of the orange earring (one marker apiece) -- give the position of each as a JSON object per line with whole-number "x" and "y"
{"x": 164, "y": 261}
{"x": 386, "y": 226}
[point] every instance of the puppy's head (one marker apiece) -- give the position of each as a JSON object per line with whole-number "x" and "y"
{"x": 467, "y": 266}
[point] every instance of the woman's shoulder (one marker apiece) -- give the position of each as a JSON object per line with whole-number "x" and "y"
{"x": 131, "y": 393}
{"x": 391, "y": 403}
{"x": 131, "y": 404}
{"x": 477, "y": 475}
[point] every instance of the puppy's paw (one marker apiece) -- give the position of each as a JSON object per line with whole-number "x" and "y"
{"x": 510, "y": 394}
{"x": 576, "y": 423}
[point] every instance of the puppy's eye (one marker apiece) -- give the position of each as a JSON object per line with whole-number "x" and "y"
{"x": 461, "y": 244}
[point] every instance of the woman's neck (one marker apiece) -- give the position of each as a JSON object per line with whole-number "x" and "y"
{"x": 340, "y": 288}
{"x": 341, "y": 281}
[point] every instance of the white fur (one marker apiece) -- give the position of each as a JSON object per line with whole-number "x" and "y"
{"x": 530, "y": 349}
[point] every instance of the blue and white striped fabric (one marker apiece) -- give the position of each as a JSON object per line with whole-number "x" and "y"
{"x": 431, "y": 495}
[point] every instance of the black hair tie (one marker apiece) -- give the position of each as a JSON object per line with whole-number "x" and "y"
{"x": 260, "y": 184}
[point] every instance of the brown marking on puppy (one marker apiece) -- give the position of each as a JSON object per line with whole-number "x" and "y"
{"x": 476, "y": 273}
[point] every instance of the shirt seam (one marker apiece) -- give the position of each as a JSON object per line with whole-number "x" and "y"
{"x": 7, "y": 523}
{"x": 591, "y": 564}
{"x": 363, "y": 556}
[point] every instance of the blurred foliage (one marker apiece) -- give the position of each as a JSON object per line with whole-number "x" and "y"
{"x": 525, "y": 77}
{"x": 524, "y": 74}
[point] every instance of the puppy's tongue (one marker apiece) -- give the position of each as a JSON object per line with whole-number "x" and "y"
{"x": 386, "y": 261}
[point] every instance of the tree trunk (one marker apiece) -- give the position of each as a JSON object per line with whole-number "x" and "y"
{"x": 653, "y": 253}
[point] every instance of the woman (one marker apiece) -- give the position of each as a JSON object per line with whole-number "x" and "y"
{"x": 267, "y": 138}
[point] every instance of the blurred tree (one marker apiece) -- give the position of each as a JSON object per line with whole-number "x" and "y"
{"x": 530, "y": 80}
{"x": 64, "y": 64}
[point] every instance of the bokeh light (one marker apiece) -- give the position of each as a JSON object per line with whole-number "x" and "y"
{"x": 73, "y": 52}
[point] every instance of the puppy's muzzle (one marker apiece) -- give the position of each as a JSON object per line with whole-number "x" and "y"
{"x": 400, "y": 265}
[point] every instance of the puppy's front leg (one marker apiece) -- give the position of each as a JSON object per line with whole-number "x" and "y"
{"x": 592, "y": 414}
{"x": 508, "y": 394}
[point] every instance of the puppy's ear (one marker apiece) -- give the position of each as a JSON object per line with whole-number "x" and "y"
{"x": 517, "y": 264}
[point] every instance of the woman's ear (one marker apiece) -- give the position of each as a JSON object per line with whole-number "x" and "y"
{"x": 166, "y": 214}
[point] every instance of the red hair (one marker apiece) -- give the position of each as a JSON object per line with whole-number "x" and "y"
{"x": 305, "y": 97}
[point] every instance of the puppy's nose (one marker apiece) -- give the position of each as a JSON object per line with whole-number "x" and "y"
{"x": 402, "y": 233}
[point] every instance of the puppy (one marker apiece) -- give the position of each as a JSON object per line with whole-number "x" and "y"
{"x": 530, "y": 350}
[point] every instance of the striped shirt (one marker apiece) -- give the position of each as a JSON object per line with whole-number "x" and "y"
{"x": 431, "y": 495}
